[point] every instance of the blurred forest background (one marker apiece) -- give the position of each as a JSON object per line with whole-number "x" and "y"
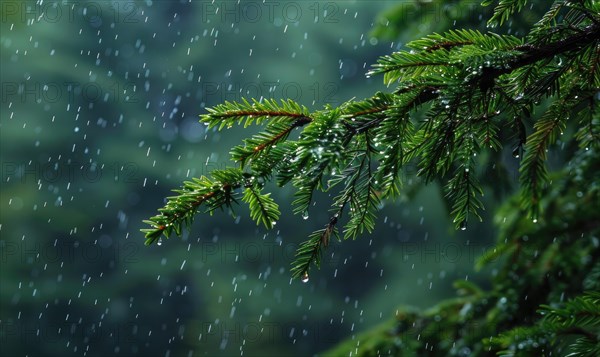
{"x": 99, "y": 121}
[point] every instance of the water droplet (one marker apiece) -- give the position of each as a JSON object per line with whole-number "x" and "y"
{"x": 305, "y": 278}
{"x": 463, "y": 225}
{"x": 534, "y": 220}
{"x": 515, "y": 152}
{"x": 159, "y": 241}
{"x": 305, "y": 215}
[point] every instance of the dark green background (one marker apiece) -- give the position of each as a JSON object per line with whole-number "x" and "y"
{"x": 99, "y": 120}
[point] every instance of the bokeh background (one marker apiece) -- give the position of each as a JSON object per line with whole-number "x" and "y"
{"x": 99, "y": 121}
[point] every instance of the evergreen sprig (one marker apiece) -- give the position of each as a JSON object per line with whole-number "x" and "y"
{"x": 543, "y": 298}
{"x": 263, "y": 208}
{"x": 311, "y": 250}
{"x": 462, "y": 100}
{"x": 581, "y": 312}
{"x": 456, "y": 52}
{"x": 261, "y": 144}
{"x": 504, "y": 9}
{"x": 181, "y": 209}
{"x": 579, "y": 317}
{"x": 255, "y": 112}
{"x": 458, "y": 96}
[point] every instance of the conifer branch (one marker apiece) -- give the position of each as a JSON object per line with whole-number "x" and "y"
{"x": 311, "y": 250}
{"x": 504, "y": 9}
{"x": 363, "y": 196}
{"x": 531, "y": 53}
{"x": 228, "y": 114}
{"x": 464, "y": 84}
{"x": 180, "y": 209}
{"x": 262, "y": 207}
{"x": 274, "y": 134}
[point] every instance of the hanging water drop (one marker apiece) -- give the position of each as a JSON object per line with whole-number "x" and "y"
{"x": 515, "y": 152}
{"x": 305, "y": 215}
{"x": 159, "y": 241}
{"x": 463, "y": 225}
{"x": 305, "y": 278}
